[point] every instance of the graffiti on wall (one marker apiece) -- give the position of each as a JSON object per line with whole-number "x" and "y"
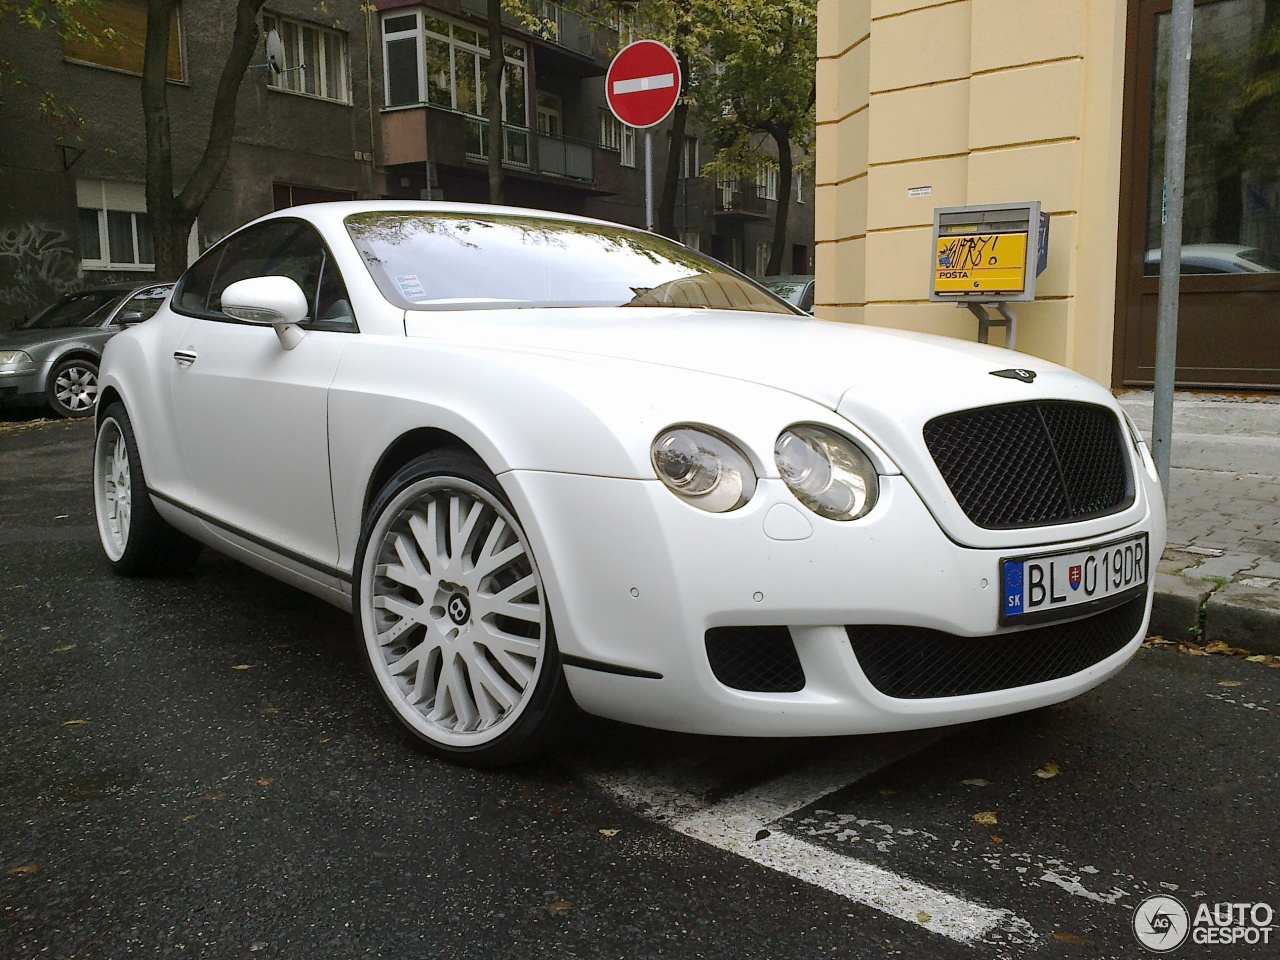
{"x": 37, "y": 264}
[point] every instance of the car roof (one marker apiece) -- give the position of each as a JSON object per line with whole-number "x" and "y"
{"x": 340, "y": 209}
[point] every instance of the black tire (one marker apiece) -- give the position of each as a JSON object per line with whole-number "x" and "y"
{"x": 136, "y": 539}
{"x": 457, "y": 636}
{"x": 72, "y": 390}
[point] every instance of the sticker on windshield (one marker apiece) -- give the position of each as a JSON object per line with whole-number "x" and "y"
{"x": 411, "y": 287}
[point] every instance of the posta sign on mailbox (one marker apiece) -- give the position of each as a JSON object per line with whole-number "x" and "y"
{"x": 643, "y": 83}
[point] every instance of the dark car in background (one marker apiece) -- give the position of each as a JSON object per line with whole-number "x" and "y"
{"x": 52, "y": 358}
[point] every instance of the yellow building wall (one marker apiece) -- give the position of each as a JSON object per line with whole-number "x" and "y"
{"x": 982, "y": 101}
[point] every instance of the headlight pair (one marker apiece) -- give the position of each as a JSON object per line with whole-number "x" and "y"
{"x": 13, "y": 359}
{"x": 825, "y": 470}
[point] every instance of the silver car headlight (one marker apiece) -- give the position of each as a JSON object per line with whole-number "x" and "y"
{"x": 703, "y": 469}
{"x": 12, "y": 359}
{"x": 827, "y": 472}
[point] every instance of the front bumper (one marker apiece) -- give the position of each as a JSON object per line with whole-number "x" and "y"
{"x": 636, "y": 577}
{"x": 22, "y": 384}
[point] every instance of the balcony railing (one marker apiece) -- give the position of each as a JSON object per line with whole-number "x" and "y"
{"x": 741, "y": 197}
{"x": 515, "y": 143}
{"x": 561, "y": 157}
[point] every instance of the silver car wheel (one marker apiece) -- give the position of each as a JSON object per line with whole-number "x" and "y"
{"x": 75, "y": 388}
{"x": 453, "y": 612}
{"x": 112, "y": 489}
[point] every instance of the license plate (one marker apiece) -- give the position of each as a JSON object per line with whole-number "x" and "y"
{"x": 1052, "y": 585}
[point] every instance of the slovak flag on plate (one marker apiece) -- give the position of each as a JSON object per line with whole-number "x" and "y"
{"x": 1073, "y": 576}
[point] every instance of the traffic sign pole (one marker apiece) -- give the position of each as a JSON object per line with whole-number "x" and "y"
{"x": 648, "y": 180}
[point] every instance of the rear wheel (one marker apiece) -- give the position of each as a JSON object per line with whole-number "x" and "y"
{"x": 452, "y": 616}
{"x": 135, "y": 538}
{"x": 73, "y": 388}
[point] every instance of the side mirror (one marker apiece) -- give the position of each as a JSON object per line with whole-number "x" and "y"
{"x": 128, "y": 318}
{"x": 277, "y": 301}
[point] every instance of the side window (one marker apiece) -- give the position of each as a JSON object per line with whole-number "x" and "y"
{"x": 192, "y": 295}
{"x": 277, "y": 248}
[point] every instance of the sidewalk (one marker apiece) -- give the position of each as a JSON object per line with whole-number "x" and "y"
{"x": 1219, "y": 579}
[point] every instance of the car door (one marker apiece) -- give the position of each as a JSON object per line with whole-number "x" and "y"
{"x": 252, "y": 415}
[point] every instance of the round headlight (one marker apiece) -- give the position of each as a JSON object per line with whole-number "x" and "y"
{"x": 827, "y": 472}
{"x": 703, "y": 469}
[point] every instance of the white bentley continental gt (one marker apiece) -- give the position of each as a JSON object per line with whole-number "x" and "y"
{"x": 545, "y": 459}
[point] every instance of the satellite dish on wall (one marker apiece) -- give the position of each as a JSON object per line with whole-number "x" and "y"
{"x": 275, "y": 53}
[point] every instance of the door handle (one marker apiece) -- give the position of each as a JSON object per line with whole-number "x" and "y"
{"x": 185, "y": 358}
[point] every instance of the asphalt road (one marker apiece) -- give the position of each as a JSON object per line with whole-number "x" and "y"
{"x": 197, "y": 767}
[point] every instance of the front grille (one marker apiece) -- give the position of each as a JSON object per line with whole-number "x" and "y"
{"x": 1028, "y": 464}
{"x": 759, "y": 659}
{"x": 913, "y": 663}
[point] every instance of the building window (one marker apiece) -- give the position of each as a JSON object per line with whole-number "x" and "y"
{"x": 610, "y": 131}
{"x": 798, "y": 175}
{"x": 628, "y": 158}
{"x": 115, "y": 232}
{"x": 689, "y": 166}
{"x": 767, "y": 181}
{"x": 315, "y": 60}
{"x": 550, "y": 114}
{"x": 548, "y": 17}
{"x": 434, "y": 60}
{"x": 763, "y": 250}
{"x": 625, "y": 24}
{"x": 120, "y": 37}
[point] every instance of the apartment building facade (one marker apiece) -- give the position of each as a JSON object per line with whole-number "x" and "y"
{"x": 372, "y": 101}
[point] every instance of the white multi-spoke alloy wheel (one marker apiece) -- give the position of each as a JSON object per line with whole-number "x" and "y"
{"x": 73, "y": 388}
{"x": 452, "y": 614}
{"x": 136, "y": 539}
{"x": 112, "y": 488}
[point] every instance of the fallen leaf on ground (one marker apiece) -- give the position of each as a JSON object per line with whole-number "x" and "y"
{"x": 214, "y": 796}
{"x": 75, "y": 723}
{"x": 997, "y": 840}
{"x": 923, "y": 917}
{"x": 265, "y": 781}
{"x": 243, "y": 666}
{"x": 1231, "y": 683}
{"x": 608, "y": 832}
{"x": 761, "y": 834}
{"x": 62, "y": 649}
{"x": 1063, "y": 937}
{"x": 976, "y": 782}
{"x": 25, "y": 871}
{"x": 1191, "y": 649}
{"x": 987, "y": 818}
{"x": 560, "y": 908}
{"x": 193, "y": 816}
{"x": 1048, "y": 771}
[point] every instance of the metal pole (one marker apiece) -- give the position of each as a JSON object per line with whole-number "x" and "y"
{"x": 648, "y": 180}
{"x": 1175, "y": 169}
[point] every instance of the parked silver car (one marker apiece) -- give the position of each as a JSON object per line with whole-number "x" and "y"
{"x": 796, "y": 290}
{"x": 53, "y": 357}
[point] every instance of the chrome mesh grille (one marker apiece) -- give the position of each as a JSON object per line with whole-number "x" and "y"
{"x": 1029, "y": 464}
{"x": 913, "y": 663}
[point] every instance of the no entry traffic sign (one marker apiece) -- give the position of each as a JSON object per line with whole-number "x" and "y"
{"x": 643, "y": 83}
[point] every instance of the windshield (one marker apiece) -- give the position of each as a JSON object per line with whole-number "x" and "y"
{"x": 460, "y": 261}
{"x": 86, "y": 309}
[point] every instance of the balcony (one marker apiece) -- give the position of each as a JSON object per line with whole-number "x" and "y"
{"x": 562, "y": 157}
{"x": 740, "y": 199}
{"x": 515, "y": 143}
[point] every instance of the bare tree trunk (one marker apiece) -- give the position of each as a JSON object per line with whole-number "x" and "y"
{"x": 782, "y": 137}
{"x": 173, "y": 214}
{"x": 493, "y": 100}
{"x": 666, "y": 212}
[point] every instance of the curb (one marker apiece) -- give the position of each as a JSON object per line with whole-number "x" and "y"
{"x": 1244, "y": 613}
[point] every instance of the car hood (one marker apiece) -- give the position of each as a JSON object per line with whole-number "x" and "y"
{"x": 838, "y": 365}
{"x": 17, "y": 339}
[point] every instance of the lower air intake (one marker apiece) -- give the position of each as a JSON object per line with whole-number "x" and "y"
{"x": 758, "y": 659}
{"x": 913, "y": 663}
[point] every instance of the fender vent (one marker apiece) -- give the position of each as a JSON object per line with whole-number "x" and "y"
{"x": 758, "y": 659}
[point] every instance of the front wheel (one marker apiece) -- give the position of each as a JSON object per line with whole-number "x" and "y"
{"x": 73, "y": 388}
{"x": 135, "y": 538}
{"x": 451, "y": 613}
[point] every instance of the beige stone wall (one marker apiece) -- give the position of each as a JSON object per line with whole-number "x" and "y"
{"x": 984, "y": 101}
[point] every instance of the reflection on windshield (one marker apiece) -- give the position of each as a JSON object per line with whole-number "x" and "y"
{"x": 74, "y": 310}
{"x": 459, "y": 261}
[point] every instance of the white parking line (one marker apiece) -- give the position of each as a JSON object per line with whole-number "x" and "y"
{"x": 742, "y": 824}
